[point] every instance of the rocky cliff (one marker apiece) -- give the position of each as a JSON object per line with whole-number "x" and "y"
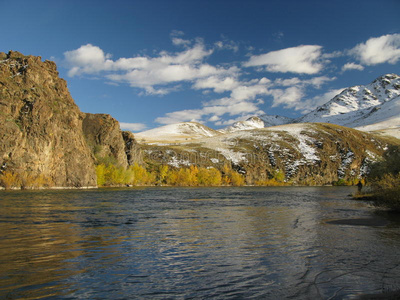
{"x": 104, "y": 138}
{"x": 41, "y": 126}
{"x": 45, "y": 140}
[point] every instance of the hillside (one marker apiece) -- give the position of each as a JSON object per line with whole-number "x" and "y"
{"x": 304, "y": 153}
{"x": 176, "y": 133}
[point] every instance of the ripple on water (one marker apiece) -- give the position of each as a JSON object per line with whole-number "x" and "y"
{"x": 156, "y": 243}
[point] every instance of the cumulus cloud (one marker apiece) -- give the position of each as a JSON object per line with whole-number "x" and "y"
{"x": 289, "y": 98}
{"x": 377, "y": 50}
{"x": 87, "y": 59}
{"x": 192, "y": 115}
{"x": 218, "y": 84}
{"x": 148, "y": 73}
{"x": 241, "y": 101}
{"x": 304, "y": 59}
{"x": 132, "y": 126}
{"x": 240, "y": 97}
{"x": 352, "y": 66}
{"x": 245, "y": 98}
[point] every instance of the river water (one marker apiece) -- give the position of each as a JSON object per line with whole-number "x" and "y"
{"x": 195, "y": 243}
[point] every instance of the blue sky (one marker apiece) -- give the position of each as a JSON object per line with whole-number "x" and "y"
{"x": 150, "y": 63}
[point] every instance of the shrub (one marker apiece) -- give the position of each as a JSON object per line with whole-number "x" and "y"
{"x": 10, "y": 180}
{"x": 385, "y": 180}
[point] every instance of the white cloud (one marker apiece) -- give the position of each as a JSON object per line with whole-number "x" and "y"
{"x": 227, "y": 45}
{"x": 87, "y": 59}
{"x": 352, "y": 66}
{"x": 383, "y": 49}
{"x": 218, "y": 84}
{"x": 302, "y": 59}
{"x": 180, "y": 42}
{"x": 193, "y": 115}
{"x": 166, "y": 72}
{"x": 315, "y": 82}
{"x": 132, "y": 126}
{"x": 147, "y": 73}
{"x": 289, "y": 98}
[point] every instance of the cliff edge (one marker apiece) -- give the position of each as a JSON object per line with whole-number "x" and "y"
{"x": 41, "y": 131}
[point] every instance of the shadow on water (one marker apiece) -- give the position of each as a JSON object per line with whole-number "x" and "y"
{"x": 157, "y": 243}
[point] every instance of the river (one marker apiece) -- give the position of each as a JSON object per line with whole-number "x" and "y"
{"x": 195, "y": 243}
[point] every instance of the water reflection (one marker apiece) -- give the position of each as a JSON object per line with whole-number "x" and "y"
{"x": 204, "y": 243}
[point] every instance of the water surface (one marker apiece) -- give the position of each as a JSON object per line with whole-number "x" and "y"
{"x": 184, "y": 243}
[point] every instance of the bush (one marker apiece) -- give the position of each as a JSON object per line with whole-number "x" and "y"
{"x": 10, "y": 180}
{"x": 24, "y": 180}
{"x": 385, "y": 180}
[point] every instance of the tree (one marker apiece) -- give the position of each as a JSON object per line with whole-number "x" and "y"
{"x": 384, "y": 178}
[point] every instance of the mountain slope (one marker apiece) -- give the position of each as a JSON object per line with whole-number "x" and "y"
{"x": 257, "y": 122}
{"x": 356, "y": 106}
{"x": 303, "y": 153}
{"x": 178, "y": 132}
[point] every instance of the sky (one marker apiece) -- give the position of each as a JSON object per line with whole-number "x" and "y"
{"x": 157, "y": 62}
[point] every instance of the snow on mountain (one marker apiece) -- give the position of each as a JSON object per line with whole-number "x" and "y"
{"x": 257, "y": 122}
{"x": 274, "y": 120}
{"x": 178, "y": 132}
{"x": 355, "y": 106}
{"x": 373, "y": 107}
{"x": 384, "y": 118}
{"x": 250, "y": 123}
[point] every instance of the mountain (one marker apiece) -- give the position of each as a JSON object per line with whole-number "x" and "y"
{"x": 250, "y": 123}
{"x": 274, "y": 120}
{"x": 310, "y": 154}
{"x": 307, "y": 150}
{"x": 373, "y": 107}
{"x": 384, "y": 119}
{"x": 257, "y": 122}
{"x": 177, "y": 133}
{"x": 358, "y": 106}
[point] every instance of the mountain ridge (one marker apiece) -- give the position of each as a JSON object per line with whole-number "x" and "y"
{"x": 359, "y": 106}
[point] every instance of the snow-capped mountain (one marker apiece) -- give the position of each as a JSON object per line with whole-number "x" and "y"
{"x": 372, "y": 107}
{"x": 358, "y": 106}
{"x": 274, "y": 120}
{"x": 177, "y": 132}
{"x": 250, "y": 123}
{"x": 257, "y": 122}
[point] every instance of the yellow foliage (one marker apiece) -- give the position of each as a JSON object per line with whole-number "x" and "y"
{"x": 24, "y": 180}
{"x": 10, "y": 180}
{"x": 231, "y": 177}
{"x": 111, "y": 175}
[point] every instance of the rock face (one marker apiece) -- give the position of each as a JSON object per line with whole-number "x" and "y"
{"x": 104, "y": 137}
{"x": 41, "y": 126}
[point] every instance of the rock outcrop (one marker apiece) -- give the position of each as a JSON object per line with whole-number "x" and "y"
{"x": 41, "y": 126}
{"x": 104, "y": 137}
